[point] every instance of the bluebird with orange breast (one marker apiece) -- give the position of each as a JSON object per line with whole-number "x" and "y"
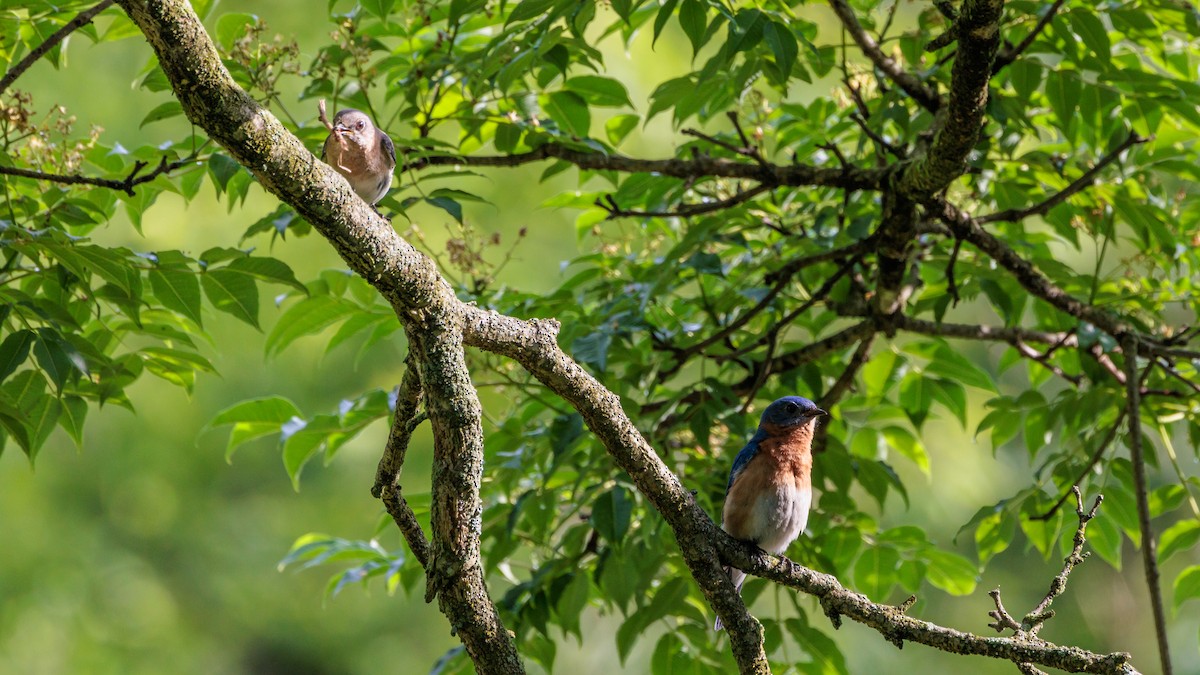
{"x": 770, "y": 486}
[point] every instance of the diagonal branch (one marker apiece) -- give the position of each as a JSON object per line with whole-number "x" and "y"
{"x": 82, "y": 19}
{"x": 387, "y": 478}
{"x": 609, "y": 204}
{"x": 920, "y": 92}
{"x": 1079, "y": 184}
{"x": 1007, "y": 56}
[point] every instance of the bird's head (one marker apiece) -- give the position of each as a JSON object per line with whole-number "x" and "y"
{"x": 791, "y": 411}
{"x": 354, "y": 125}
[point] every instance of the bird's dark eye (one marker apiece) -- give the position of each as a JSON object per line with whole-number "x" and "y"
{"x": 790, "y": 407}
{"x": 359, "y": 125}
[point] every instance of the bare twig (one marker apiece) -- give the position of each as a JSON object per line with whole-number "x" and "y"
{"x": 1129, "y": 343}
{"x": 126, "y": 185}
{"x": 1033, "y": 621}
{"x": 82, "y": 19}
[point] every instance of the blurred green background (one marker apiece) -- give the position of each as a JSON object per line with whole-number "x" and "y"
{"x": 146, "y": 552}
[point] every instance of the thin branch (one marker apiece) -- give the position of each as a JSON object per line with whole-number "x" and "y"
{"x": 898, "y": 153}
{"x": 1082, "y": 183}
{"x": 82, "y": 19}
{"x": 700, "y": 166}
{"x": 840, "y": 386}
{"x": 1129, "y": 344}
{"x": 920, "y": 92}
{"x": 126, "y": 185}
{"x": 1091, "y": 463}
{"x": 609, "y": 204}
{"x": 968, "y": 228}
{"x": 1007, "y": 56}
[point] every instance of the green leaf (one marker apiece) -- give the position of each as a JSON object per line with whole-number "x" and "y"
{"x": 380, "y": 8}
{"x": 592, "y": 349}
{"x": 783, "y": 45}
{"x": 267, "y": 269}
{"x": 529, "y": 9}
{"x": 875, "y": 572}
{"x": 232, "y": 27}
{"x": 253, "y": 419}
{"x": 994, "y": 534}
{"x": 165, "y": 111}
{"x": 448, "y": 205}
{"x": 694, "y": 22}
{"x": 302, "y": 439}
{"x": 618, "y": 127}
{"x": 1187, "y": 585}
{"x": 1091, "y": 30}
{"x": 569, "y": 110}
{"x": 177, "y": 288}
{"x": 222, "y": 168}
{"x": 665, "y": 11}
{"x": 14, "y": 350}
{"x": 953, "y": 366}
{"x": 1181, "y": 536}
{"x": 611, "y": 514}
{"x": 1105, "y": 539}
{"x": 57, "y": 357}
{"x": 74, "y": 412}
{"x": 232, "y": 292}
{"x": 601, "y": 91}
{"x": 904, "y": 442}
{"x": 307, "y": 317}
{"x": 950, "y": 572}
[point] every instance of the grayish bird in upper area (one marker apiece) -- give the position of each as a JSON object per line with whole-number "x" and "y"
{"x": 362, "y": 153}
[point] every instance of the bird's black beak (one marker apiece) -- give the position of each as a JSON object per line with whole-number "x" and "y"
{"x": 820, "y": 413}
{"x": 341, "y": 128}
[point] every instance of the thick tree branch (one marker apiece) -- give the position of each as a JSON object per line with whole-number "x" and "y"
{"x": 423, "y": 300}
{"x": 533, "y": 345}
{"x": 978, "y": 30}
{"x": 920, "y": 92}
{"x": 1129, "y": 344}
{"x": 82, "y": 19}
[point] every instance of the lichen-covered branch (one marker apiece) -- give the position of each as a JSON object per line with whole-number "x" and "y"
{"x": 387, "y": 476}
{"x": 422, "y": 299}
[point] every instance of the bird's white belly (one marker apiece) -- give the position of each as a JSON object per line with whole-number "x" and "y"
{"x": 779, "y": 516}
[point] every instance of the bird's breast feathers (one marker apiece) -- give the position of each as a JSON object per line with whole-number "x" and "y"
{"x": 767, "y": 506}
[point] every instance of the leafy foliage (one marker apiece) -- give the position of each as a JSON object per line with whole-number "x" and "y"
{"x": 697, "y": 297}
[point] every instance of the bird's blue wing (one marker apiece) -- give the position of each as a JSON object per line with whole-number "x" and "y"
{"x": 743, "y": 458}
